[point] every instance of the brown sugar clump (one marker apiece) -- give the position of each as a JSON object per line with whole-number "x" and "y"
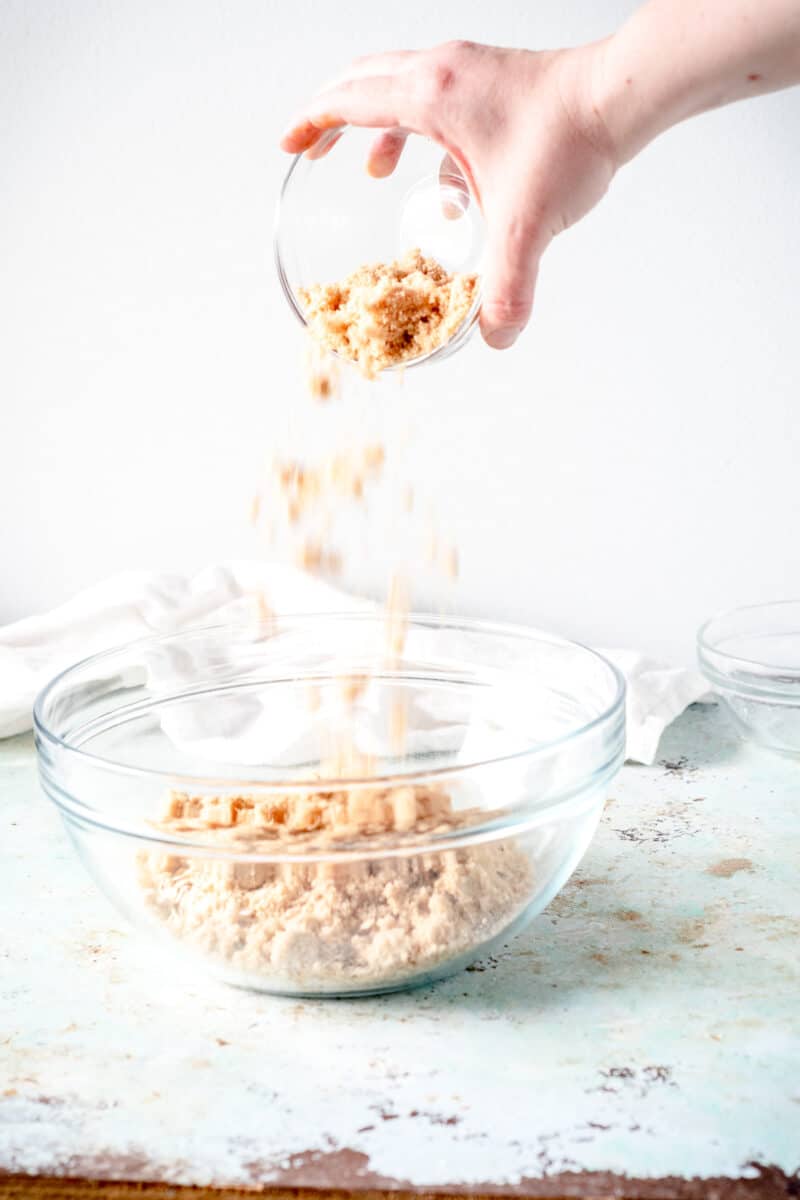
{"x": 328, "y": 924}
{"x": 387, "y": 313}
{"x": 323, "y": 373}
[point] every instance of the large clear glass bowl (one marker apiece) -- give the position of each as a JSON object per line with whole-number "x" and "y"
{"x": 332, "y": 217}
{"x": 192, "y": 772}
{"x": 751, "y": 658}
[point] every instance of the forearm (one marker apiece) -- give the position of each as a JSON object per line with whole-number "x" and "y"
{"x": 676, "y": 58}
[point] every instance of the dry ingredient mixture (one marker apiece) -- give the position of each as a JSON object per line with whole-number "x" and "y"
{"x": 323, "y": 924}
{"x": 384, "y": 314}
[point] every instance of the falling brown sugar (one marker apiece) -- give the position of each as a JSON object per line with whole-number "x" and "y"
{"x": 335, "y": 885}
{"x": 322, "y": 373}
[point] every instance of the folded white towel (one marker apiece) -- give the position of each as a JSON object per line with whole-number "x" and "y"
{"x": 137, "y": 603}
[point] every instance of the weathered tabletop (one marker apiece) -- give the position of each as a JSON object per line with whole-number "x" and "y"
{"x": 646, "y": 1026}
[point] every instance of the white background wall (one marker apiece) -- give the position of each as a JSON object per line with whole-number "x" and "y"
{"x": 629, "y": 468}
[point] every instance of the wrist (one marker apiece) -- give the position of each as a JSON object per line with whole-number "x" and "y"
{"x": 580, "y": 72}
{"x": 651, "y": 74}
{"x": 622, "y": 100}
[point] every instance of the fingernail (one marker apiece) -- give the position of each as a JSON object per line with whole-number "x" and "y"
{"x": 501, "y": 339}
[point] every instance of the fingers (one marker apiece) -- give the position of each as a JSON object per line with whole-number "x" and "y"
{"x": 372, "y": 101}
{"x": 302, "y": 135}
{"x": 324, "y": 144}
{"x": 515, "y": 247}
{"x": 385, "y": 151}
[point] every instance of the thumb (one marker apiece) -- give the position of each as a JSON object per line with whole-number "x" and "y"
{"x": 515, "y": 246}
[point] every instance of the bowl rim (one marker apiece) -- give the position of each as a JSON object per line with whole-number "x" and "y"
{"x": 710, "y": 654}
{"x": 444, "y": 351}
{"x": 613, "y": 709}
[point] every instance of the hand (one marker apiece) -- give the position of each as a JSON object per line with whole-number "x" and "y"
{"x": 520, "y": 125}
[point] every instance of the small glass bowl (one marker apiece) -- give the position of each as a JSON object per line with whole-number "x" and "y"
{"x": 332, "y": 217}
{"x": 190, "y": 773}
{"x": 751, "y": 657}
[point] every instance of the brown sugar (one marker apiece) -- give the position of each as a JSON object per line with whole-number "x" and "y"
{"x": 342, "y": 886}
{"x": 311, "y": 555}
{"x": 384, "y": 314}
{"x": 396, "y": 618}
{"x": 304, "y": 488}
{"x": 322, "y": 373}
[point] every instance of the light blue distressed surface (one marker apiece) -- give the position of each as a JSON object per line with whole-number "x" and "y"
{"x": 646, "y": 1024}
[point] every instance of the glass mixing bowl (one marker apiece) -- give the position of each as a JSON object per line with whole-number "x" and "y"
{"x": 332, "y": 217}
{"x": 193, "y": 774}
{"x": 751, "y": 657}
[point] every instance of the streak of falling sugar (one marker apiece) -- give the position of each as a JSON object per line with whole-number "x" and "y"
{"x": 397, "y": 609}
{"x": 323, "y": 376}
{"x": 263, "y": 610}
{"x": 304, "y": 502}
{"x": 450, "y": 562}
{"x": 431, "y": 547}
{"x": 398, "y": 724}
{"x": 351, "y": 687}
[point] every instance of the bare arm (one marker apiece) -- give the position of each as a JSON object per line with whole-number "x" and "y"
{"x": 540, "y": 134}
{"x": 676, "y": 58}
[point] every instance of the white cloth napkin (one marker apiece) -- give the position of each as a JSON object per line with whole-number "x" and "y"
{"x": 137, "y": 603}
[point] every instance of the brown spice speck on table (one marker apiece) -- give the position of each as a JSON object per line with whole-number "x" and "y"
{"x": 726, "y": 867}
